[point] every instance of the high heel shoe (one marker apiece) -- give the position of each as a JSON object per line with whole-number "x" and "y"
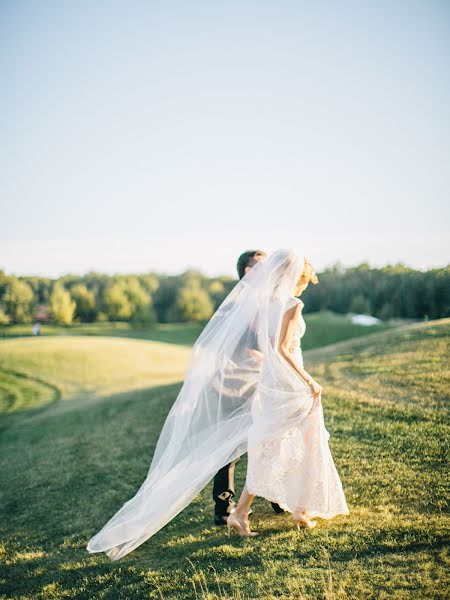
{"x": 233, "y": 522}
{"x": 302, "y": 520}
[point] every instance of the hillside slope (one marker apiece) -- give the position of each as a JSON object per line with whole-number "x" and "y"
{"x": 65, "y": 473}
{"x": 34, "y": 371}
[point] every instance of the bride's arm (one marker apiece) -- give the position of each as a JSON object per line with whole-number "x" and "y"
{"x": 290, "y": 321}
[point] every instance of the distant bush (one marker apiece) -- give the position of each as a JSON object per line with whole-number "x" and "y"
{"x": 144, "y": 315}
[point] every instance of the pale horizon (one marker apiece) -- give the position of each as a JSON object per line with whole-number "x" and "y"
{"x": 212, "y": 264}
{"x": 167, "y": 137}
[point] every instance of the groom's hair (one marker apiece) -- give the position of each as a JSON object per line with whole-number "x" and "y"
{"x": 248, "y": 259}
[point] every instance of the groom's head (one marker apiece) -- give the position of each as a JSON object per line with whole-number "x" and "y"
{"x": 249, "y": 259}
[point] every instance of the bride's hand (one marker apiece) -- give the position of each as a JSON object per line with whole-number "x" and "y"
{"x": 316, "y": 389}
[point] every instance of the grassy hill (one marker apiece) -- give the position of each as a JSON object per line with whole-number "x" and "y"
{"x": 81, "y": 416}
{"x": 171, "y": 333}
{"x": 84, "y": 367}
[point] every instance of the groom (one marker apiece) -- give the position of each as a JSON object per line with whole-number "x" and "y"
{"x": 223, "y": 488}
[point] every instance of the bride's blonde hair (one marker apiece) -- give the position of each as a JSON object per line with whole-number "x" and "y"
{"x": 309, "y": 275}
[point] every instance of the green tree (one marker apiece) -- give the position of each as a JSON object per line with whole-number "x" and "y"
{"x": 144, "y": 315}
{"x": 85, "y": 302}
{"x": 140, "y": 300}
{"x": 18, "y": 299}
{"x": 385, "y": 312}
{"x": 193, "y": 303}
{"x": 116, "y": 304}
{"x": 62, "y": 307}
{"x": 360, "y": 305}
{"x": 4, "y": 281}
{"x": 165, "y": 298}
{"x": 137, "y": 295}
{"x": 41, "y": 287}
{"x": 4, "y": 319}
{"x": 217, "y": 292}
{"x": 150, "y": 282}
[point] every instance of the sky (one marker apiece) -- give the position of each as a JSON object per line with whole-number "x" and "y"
{"x": 141, "y": 135}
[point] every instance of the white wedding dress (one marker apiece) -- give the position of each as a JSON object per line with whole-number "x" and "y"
{"x": 238, "y": 393}
{"x": 289, "y": 460}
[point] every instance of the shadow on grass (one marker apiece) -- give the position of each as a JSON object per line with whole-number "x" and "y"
{"x": 68, "y": 467}
{"x": 50, "y": 393}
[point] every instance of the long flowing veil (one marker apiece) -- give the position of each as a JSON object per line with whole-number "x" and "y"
{"x": 208, "y": 424}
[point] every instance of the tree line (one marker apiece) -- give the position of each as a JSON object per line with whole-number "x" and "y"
{"x": 389, "y": 292}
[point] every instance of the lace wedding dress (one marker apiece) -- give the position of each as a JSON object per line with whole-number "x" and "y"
{"x": 289, "y": 460}
{"x": 238, "y": 392}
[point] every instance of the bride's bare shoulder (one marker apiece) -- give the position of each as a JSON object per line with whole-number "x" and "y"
{"x": 297, "y": 302}
{"x": 293, "y": 309}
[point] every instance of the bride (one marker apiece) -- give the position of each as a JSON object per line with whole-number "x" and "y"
{"x": 289, "y": 460}
{"x": 245, "y": 389}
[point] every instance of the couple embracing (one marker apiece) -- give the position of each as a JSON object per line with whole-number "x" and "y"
{"x": 245, "y": 390}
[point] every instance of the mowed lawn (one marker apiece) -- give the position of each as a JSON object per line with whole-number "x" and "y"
{"x": 80, "y": 419}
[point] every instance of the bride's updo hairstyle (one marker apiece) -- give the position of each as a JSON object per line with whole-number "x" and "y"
{"x": 308, "y": 275}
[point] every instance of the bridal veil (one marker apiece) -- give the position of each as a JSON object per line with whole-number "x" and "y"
{"x": 208, "y": 424}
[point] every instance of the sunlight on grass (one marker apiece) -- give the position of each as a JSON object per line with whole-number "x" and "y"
{"x": 68, "y": 471}
{"x": 29, "y": 555}
{"x": 84, "y": 366}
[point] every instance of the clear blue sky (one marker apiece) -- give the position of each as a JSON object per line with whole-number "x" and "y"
{"x": 166, "y": 135}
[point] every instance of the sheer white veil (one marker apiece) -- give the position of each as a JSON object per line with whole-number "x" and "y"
{"x": 208, "y": 424}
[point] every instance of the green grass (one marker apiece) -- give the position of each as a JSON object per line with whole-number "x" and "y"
{"x": 171, "y": 333}
{"x": 85, "y": 368}
{"x": 325, "y": 327}
{"x": 78, "y": 441}
{"x": 322, "y": 328}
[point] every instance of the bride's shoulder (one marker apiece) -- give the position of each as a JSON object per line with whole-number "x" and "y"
{"x": 295, "y": 300}
{"x": 294, "y": 307}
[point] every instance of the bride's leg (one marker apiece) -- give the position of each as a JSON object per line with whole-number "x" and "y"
{"x": 243, "y": 506}
{"x": 239, "y": 517}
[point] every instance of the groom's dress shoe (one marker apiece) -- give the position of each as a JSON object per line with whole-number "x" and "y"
{"x": 220, "y": 519}
{"x": 277, "y": 508}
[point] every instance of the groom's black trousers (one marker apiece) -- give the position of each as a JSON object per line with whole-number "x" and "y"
{"x": 223, "y": 491}
{"x": 223, "y": 488}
